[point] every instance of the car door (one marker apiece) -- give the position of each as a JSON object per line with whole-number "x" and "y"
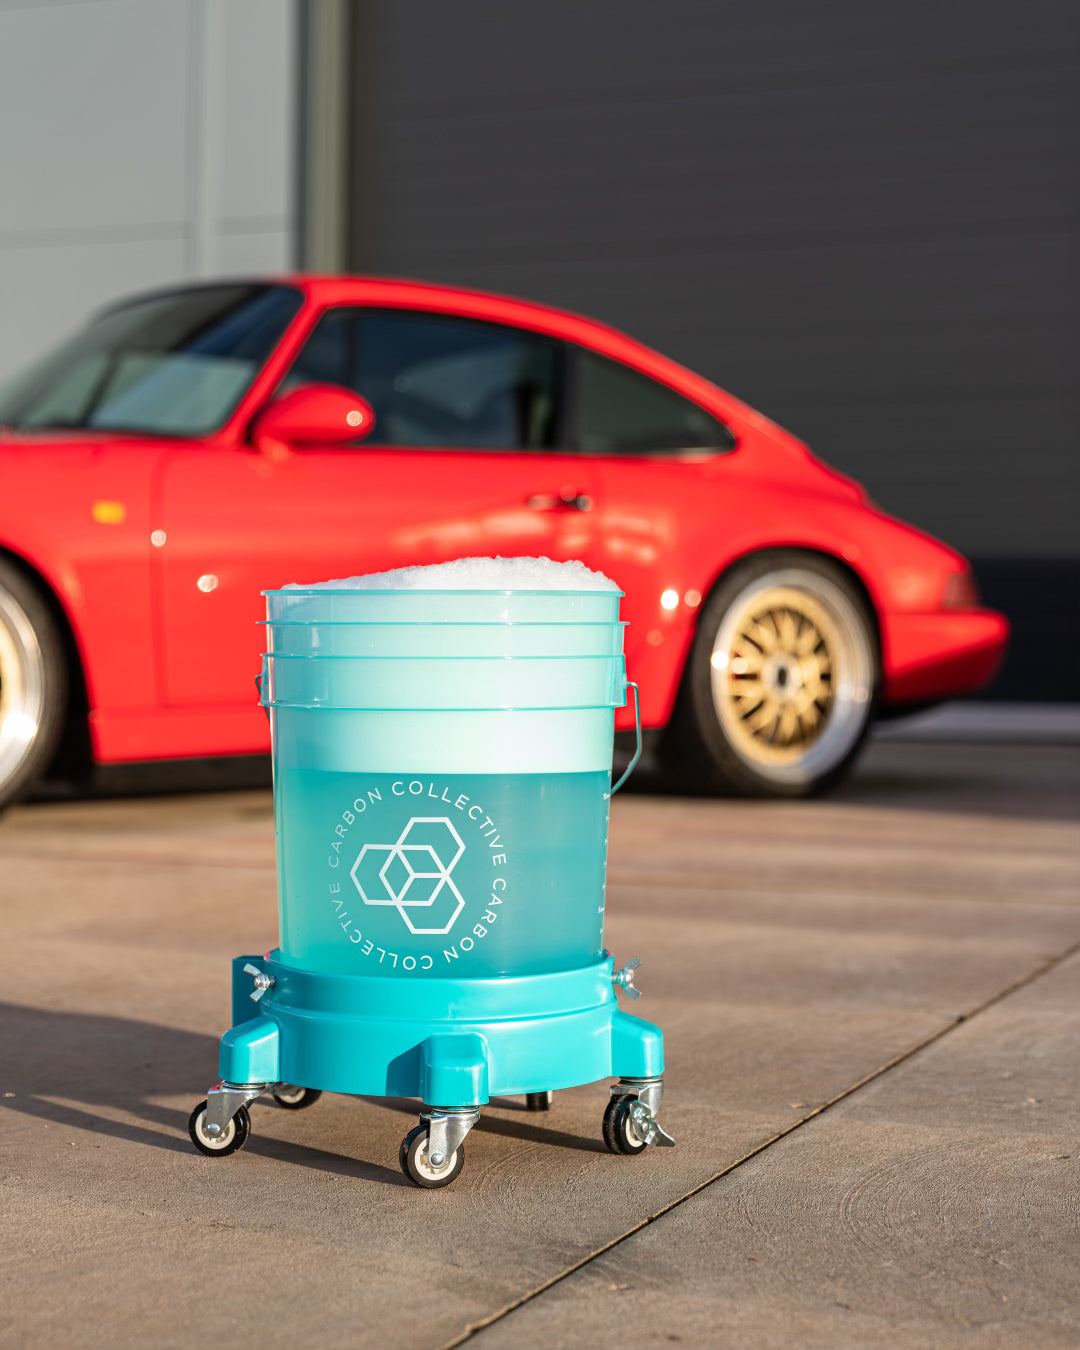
{"x": 464, "y": 460}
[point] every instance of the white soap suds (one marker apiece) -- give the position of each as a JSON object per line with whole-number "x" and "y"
{"x": 474, "y": 574}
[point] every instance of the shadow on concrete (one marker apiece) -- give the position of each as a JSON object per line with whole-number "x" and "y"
{"x": 157, "y": 778}
{"x": 95, "y": 1073}
{"x": 529, "y": 1131}
{"x": 82, "y": 1070}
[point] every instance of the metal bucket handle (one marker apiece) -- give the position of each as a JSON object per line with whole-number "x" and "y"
{"x": 258, "y": 689}
{"x": 637, "y": 752}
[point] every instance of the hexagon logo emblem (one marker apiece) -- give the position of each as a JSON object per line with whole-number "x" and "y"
{"x": 413, "y": 875}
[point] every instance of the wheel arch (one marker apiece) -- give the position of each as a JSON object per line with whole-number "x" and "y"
{"x": 74, "y": 756}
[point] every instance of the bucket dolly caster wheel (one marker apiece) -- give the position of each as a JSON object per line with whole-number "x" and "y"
{"x": 221, "y": 1124}
{"x": 294, "y": 1098}
{"x": 433, "y": 1153}
{"x": 538, "y": 1101}
{"x": 630, "y": 1124}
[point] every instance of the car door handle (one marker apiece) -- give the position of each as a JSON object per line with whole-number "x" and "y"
{"x": 559, "y": 501}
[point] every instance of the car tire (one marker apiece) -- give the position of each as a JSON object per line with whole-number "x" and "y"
{"x": 779, "y": 691}
{"x": 33, "y": 684}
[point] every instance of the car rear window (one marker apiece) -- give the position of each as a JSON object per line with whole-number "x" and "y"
{"x": 621, "y": 411}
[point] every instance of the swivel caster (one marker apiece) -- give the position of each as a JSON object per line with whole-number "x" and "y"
{"x": 619, "y": 1133}
{"x": 538, "y": 1101}
{"x": 417, "y": 1164}
{"x": 294, "y": 1098}
{"x": 630, "y": 1123}
{"x": 229, "y": 1140}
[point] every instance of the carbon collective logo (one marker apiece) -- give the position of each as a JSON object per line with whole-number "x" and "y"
{"x": 414, "y": 874}
{"x": 415, "y": 889}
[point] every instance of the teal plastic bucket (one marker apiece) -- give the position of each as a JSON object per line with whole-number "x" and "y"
{"x": 442, "y": 815}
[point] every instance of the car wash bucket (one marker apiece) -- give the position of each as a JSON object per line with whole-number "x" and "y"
{"x": 442, "y": 784}
{"x": 442, "y": 815}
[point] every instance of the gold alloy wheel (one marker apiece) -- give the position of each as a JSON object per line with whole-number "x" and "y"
{"x": 791, "y": 675}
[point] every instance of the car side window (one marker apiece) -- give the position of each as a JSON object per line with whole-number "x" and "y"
{"x": 439, "y": 380}
{"x": 620, "y": 411}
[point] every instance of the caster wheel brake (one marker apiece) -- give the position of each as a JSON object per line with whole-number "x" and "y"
{"x": 232, "y": 1138}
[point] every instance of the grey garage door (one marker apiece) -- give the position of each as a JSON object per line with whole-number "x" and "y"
{"x": 860, "y": 217}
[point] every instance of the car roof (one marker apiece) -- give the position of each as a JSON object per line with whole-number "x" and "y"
{"x": 328, "y": 290}
{"x": 326, "y": 287}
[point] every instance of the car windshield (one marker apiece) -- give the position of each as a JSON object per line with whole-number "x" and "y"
{"x": 174, "y": 365}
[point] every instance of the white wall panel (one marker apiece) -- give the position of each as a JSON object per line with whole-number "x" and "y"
{"x": 47, "y": 290}
{"x": 260, "y": 252}
{"x": 141, "y": 142}
{"x": 93, "y": 115}
{"x": 258, "y": 126}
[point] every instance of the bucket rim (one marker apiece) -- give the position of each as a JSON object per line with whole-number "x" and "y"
{"x": 442, "y": 711}
{"x": 340, "y": 656}
{"x": 438, "y": 623}
{"x": 442, "y": 590}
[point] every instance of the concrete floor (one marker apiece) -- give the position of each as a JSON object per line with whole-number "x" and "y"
{"x": 872, "y": 1018}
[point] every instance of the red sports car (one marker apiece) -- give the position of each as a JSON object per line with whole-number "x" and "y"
{"x": 191, "y": 447}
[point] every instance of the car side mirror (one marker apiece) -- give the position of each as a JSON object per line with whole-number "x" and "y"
{"x": 317, "y": 414}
